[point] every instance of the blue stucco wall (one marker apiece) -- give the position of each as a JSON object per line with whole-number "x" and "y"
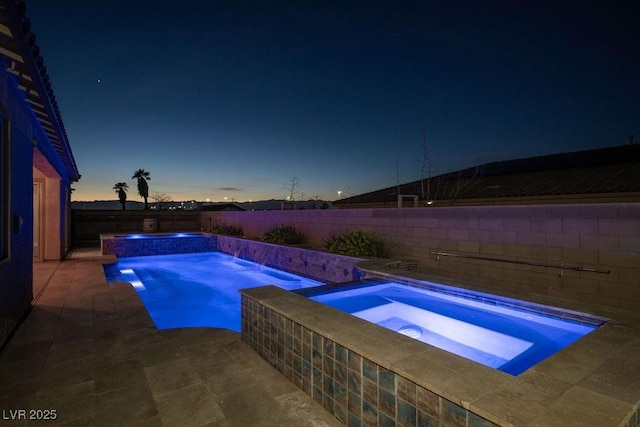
{"x": 16, "y": 271}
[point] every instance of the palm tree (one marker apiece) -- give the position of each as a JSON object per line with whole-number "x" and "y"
{"x": 143, "y": 188}
{"x": 121, "y": 188}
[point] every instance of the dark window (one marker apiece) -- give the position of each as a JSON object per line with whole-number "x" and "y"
{"x": 5, "y": 193}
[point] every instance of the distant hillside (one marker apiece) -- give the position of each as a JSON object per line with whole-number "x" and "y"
{"x": 107, "y": 205}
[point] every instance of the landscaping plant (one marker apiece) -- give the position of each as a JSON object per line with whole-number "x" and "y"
{"x": 359, "y": 244}
{"x": 285, "y": 235}
{"x": 227, "y": 230}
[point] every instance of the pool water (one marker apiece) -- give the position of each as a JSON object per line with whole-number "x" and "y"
{"x": 505, "y": 334}
{"x": 197, "y": 290}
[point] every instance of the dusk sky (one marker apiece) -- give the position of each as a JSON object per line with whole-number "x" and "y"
{"x": 233, "y": 98}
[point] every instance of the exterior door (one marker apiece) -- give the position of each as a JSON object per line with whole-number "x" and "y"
{"x": 36, "y": 220}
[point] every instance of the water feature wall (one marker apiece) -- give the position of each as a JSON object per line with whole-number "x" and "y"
{"x": 323, "y": 266}
{"x": 505, "y": 249}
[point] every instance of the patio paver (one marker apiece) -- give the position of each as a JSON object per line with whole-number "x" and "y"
{"x": 90, "y": 351}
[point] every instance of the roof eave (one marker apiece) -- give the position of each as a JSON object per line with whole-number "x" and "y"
{"x": 28, "y": 67}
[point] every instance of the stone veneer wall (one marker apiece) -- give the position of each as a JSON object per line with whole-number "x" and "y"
{"x": 329, "y": 268}
{"x": 597, "y": 236}
{"x": 356, "y": 390}
{"x": 158, "y": 245}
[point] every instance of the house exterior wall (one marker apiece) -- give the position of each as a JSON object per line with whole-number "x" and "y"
{"x": 16, "y": 272}
{"x": 505, "y": 249}
{"x": 31, "y": 158}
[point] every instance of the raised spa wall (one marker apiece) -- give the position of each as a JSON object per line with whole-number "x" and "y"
{"x": 347, "y": 365}
{"x": 368, "y": 375}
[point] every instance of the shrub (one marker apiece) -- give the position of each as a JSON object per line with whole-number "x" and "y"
{"x": 228, "y": 230}
{"x": 285, "y": 235}
{"x": 359, "y": 244}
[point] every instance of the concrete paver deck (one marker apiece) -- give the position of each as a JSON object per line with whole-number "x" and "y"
{"x": 89, "y": 353}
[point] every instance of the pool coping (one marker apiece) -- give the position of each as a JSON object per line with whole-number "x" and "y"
{"x": 595, "y": 380}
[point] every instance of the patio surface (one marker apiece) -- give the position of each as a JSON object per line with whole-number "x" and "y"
{"x": 90, "y": 351}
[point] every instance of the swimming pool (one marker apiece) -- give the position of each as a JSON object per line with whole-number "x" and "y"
{"x": 197, "y": 290}
{"x": 505, "y": 334}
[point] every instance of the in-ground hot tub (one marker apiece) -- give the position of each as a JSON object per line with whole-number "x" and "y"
{"x": 502, "y": 333}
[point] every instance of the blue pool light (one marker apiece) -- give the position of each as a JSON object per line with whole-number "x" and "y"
{"x": 412, "y": 331}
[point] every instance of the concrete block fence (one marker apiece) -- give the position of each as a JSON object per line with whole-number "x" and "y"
{"x": 582, "y": 252}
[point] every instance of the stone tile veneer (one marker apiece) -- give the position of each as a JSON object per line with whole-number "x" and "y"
{"x": 323, "y": 266}
{"x": 367, "y": 375}
{"x": 354, "y": 388}
{"x": 158, "y": 244}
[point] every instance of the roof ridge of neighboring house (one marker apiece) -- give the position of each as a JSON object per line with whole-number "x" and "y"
{"x": 566, "y": 160}
{"x": 532, "y": 176}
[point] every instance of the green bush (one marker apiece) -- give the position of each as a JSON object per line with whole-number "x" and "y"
{"x": 228, "y": 230}
{"x": 359, "y": 244}
{"x": 285, "y": 235}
